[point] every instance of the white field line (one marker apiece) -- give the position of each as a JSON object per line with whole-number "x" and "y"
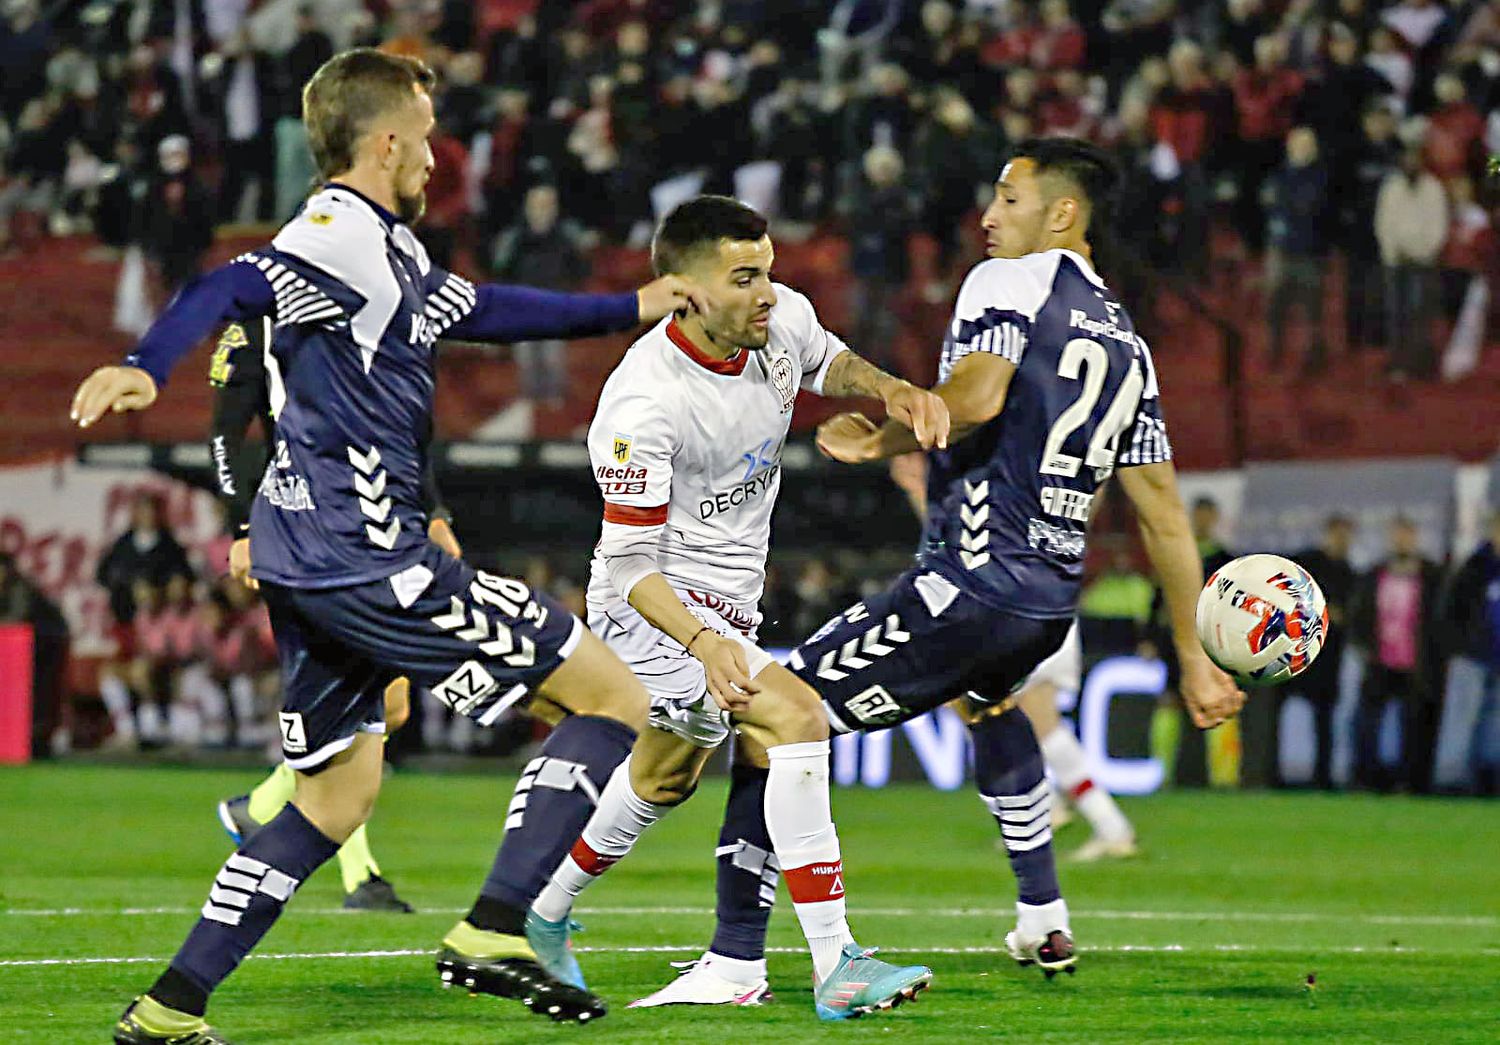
{"x": 1129, "y": 948}
{"x": 1295, "y": 917}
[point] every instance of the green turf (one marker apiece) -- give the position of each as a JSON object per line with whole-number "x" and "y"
{"x": 1294, "y": 884}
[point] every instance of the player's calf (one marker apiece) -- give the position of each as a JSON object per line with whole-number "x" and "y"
{"x": 1009, "y": 770}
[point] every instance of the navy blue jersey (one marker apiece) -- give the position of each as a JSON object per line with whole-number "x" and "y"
{"x": 1008, "y": 506}
{"x": 357, "y": 307}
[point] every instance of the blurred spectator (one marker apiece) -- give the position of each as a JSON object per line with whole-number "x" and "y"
{"x": 1336, "y": 102}
{"x": 1060, "y": 42}
{"x": 147, "y": 551}
{"x": 1472, "y": 618}
{"x": 1297, "y": 200}
{"x": 790, "y": 124}
{"x": 1455, "y": 131}
{"x": 295, "y": 170}
{"x": 1319, "y": 684}
{"x": 956, "y": 161}
{"x": 1189, "y": 115}
{"x": 1386, "y": 57}
{"x": 881, "y": 219}
{"x": 1265, "y": 98}
{"x": 510, "y": 144}
{"x": 177, "y": 226}
{"x": 1363, "y": 169}
{"x": 543, "y": 249}
{"x": 1393, "y": 615}
{"x": 244, "y": 84}
{"x": 1411, "y": 223}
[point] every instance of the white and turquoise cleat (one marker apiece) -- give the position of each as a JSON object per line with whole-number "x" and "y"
{"x": 862, "y": 983}
{"x": 554, "y": 948}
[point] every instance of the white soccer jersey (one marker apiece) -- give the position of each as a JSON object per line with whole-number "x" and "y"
{"x": 688, "y": 449}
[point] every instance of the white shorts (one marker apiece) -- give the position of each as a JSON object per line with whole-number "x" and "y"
{"x": 680, "y": 701}
{"x": 1064, "y": 669}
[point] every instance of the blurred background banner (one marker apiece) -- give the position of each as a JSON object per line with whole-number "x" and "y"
{"x": 1286, "y": 504}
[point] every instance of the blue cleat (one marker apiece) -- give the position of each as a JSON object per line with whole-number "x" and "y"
{"x": 554, "y": 949}
{"x": 863, "y": 983}
{"x": 234, "y": 817}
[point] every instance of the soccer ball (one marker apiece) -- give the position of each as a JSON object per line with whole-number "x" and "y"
{"x": 1262, "y": 618}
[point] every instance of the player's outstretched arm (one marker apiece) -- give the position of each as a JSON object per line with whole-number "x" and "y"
{"x": 231, "y": 291}
{"x": 1210, "y": 695}
{"x": 504, "y": 313}
{"x": 922, "y": 413}
{"x": 973, "y": 395}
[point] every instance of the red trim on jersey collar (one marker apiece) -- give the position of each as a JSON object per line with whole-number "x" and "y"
{"x": 733, "y": 366}
{"x": 631, "y": 515}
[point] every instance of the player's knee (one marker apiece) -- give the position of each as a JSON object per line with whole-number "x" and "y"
{"x": 799, "y": 717}
{"x": 669, "y": 788}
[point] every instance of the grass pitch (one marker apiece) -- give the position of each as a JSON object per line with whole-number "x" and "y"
{"x": 1392, "y": 904}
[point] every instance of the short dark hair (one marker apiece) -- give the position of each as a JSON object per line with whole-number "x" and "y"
{"x": 1092, "y": 170}
{"x": 347, "y": 92}
{"x": 700, "y": 223}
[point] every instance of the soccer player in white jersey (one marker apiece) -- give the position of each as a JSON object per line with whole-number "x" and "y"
{"x": 686, "y": 447}
{"x": 1050, "y": 393}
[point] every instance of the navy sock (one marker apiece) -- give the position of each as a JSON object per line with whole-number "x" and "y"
{"x": 1008, "y": 768}
{"x": 747, "y": 868}
{"x": 553, "y": 800}
{"x": 248, "y": 895}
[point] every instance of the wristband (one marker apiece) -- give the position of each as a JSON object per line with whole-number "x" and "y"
{"x": 696, "y": 634}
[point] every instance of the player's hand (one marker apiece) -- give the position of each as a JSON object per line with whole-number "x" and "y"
{"x": 729, "y": 681}
{"x": 441, "y": 534}
{"x": 1210, "y": 696}
{"x": 922, "y": 411}
{"x": 112, "y": 388}
{"x": 849, "y": 438}
{"x": 239, "y": 563}
{"x": 669, "y": 294}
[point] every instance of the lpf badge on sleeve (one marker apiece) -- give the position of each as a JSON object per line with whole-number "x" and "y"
{"x": 784, "y": 379}
{"x": 221, "y": 366}
{"x": 622, "y": 448}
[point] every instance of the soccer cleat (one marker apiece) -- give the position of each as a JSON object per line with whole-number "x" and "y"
{"x": 131, "y": 1030}
{"x": 700, "y": 983}
{"x": 376, "y": 894}
{"x": 1052, "y": 953}
{"x": 862, "y": 983}
{"x": 234, "y": 814}
{"x": 505, "y": 966}
{"x": 1099, "y": 848}
{"x": 554, "y": 949}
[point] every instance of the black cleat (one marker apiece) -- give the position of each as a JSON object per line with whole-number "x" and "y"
{"x": 128, "y": 1031}
{"x": 1053, "y": 954}
{"x": 522, "y": 979}
{"x": 234, "y": 815}
{"x": 376, "y": 894}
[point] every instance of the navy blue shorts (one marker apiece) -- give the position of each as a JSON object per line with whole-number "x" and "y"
{"x": 478, "y": 641}
{"x": 914, "y": 647}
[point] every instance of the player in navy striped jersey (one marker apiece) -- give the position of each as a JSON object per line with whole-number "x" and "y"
{"x": 356, "y": 591}
{"x": 1051, "y": 392}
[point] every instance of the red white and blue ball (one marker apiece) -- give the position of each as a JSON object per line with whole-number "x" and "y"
{"x": 1262, "y": 618}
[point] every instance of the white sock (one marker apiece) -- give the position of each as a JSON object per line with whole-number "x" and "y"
{"x": 743, "y": 971}
{"x": 116, "y": 697}
{"x": 613, "y": 830}
{"x": 151, "y": 724}
{"x": 1035, "y": 922}
{"x": 800, "y": 821}
{"x": 1069, "y": 764}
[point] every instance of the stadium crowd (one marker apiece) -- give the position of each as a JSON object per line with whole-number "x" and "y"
{"x": 1315, "y": 128}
